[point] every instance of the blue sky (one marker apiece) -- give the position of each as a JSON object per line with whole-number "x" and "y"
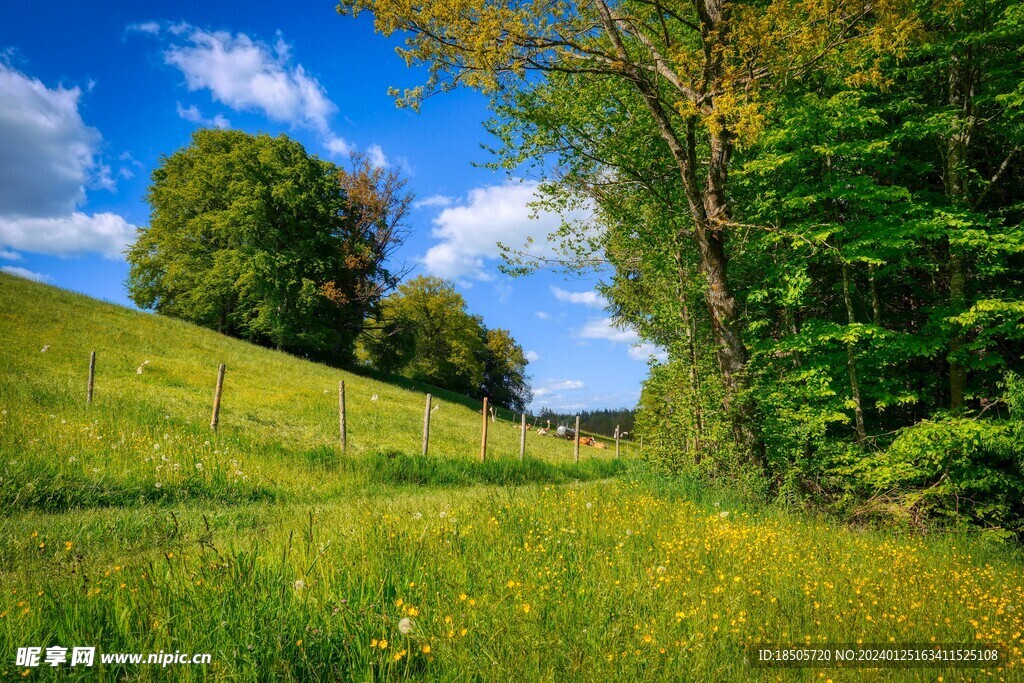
{"x": 92, "y": 94}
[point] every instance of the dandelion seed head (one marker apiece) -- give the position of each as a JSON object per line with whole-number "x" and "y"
{"x": 406, "y": 626}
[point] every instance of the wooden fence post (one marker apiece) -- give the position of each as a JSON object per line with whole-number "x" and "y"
{"x": 616, "y": 441}
{"x": 92, "y": 375}
{"x": 576, "y": 443}
{"x": 216, "y": 398}
{"x": 483, "y": 437}
{"x": 342, "y": 426}
{"x": 426, "y": 425}
{"x": 522, "y": 437}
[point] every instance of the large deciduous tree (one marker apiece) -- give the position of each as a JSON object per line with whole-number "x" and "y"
{"x": 696, "y": 77}
{"x": 252, "y": 236}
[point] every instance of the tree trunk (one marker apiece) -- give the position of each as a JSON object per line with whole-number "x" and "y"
{"x": 958, "y": 299}
{"x": 962, "y": 81}
{"x": 851, "y": 360}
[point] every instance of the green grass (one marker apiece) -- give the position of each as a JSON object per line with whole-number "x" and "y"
{"x": 283, "y": 559}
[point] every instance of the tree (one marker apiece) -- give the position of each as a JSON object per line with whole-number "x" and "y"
{"x": 505, "y": 370}
{"x": 424, "y": 332}
{"x": 696, "y": 77}
{"x": 253, "y": 237}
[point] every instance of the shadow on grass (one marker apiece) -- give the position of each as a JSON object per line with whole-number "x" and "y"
{"x": 392, "y": 467}
{"x": 46, "y": 490}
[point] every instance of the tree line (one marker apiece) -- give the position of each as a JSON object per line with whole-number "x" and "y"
{"x": 602, "y": 421}
{"x": 252, "y": 236}
{"x": 814, "y": 206}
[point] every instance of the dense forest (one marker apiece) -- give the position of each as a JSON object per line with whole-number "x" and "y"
{"x": 814, "y": 206}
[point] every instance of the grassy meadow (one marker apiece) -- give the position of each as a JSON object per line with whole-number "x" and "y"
{"x": 129, "y": 526}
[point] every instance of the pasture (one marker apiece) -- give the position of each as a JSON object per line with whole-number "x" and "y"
{"x": 127, "y": 524}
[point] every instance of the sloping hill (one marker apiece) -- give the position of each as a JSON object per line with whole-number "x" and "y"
{"x": 147, "y": 436}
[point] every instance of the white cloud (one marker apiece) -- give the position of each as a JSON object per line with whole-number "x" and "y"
{"x": 542, "y": 315}
{"x": 605, "y": 329}
{"x": 192, "y": 113}
{"x": 76, "y": 233}
{"x": 150, "y": 27}
{"x": 565, "y": 384}
{"x": 338, "y": 147}
{"x": 249, "y": 75}
{"x": 9, "y": 255}
{"x": 532, "y": 356}
{"x": 435, "y": 200}
{"x": 468, "y": 234}
{"x": 376, "y": 156}
{"x": 644, "y": 351}
{"x": 541, "y": 393}
{"x": 25, "y": 273}
{"x": 592, "y": 299}
{"x": 48, "y": 159}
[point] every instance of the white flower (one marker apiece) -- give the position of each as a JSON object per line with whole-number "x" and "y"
{"x": 406, "y": 626}
{"x": 199, "y": 466}
{"x": 723, "y": 514}
{"x": 299, "y": 584}
{"x": 417, "y": 515}
{"x": 158, "y": 485}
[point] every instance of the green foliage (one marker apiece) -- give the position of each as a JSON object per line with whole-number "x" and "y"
{"x": 253, "y": 237}
{"x": 424, "y": 332}
{"x": 955, "y": 469}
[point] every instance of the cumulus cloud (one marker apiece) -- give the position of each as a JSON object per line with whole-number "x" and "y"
{"x": 644, "y": 351}
{"x": 543, "y": 315}
{"x": 9, "y": 255}
{"x": 249, "y": 75}
{"x": 605, "y": 329}
{"x": 48, "y": 159}
{"x": 375, "y": 155}
{"x": 549, "y": 393}
{"x": 337, "y": 146}
{"x": 532, "y": 356}
{"x": 25, "y": 273}
{"x": 192, "y": 113}
{"x": 592, "y": 299}
{"x": 468, "y": 234}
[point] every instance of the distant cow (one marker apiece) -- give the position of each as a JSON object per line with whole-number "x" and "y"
{"x": 586, "y": 441}
{"x": 542, "y": 432}
{"x": 598, "y": 444}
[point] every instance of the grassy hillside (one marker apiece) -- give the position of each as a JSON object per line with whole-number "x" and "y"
{"x": 127, "y": 526}
{"x": 146, "y": 436}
